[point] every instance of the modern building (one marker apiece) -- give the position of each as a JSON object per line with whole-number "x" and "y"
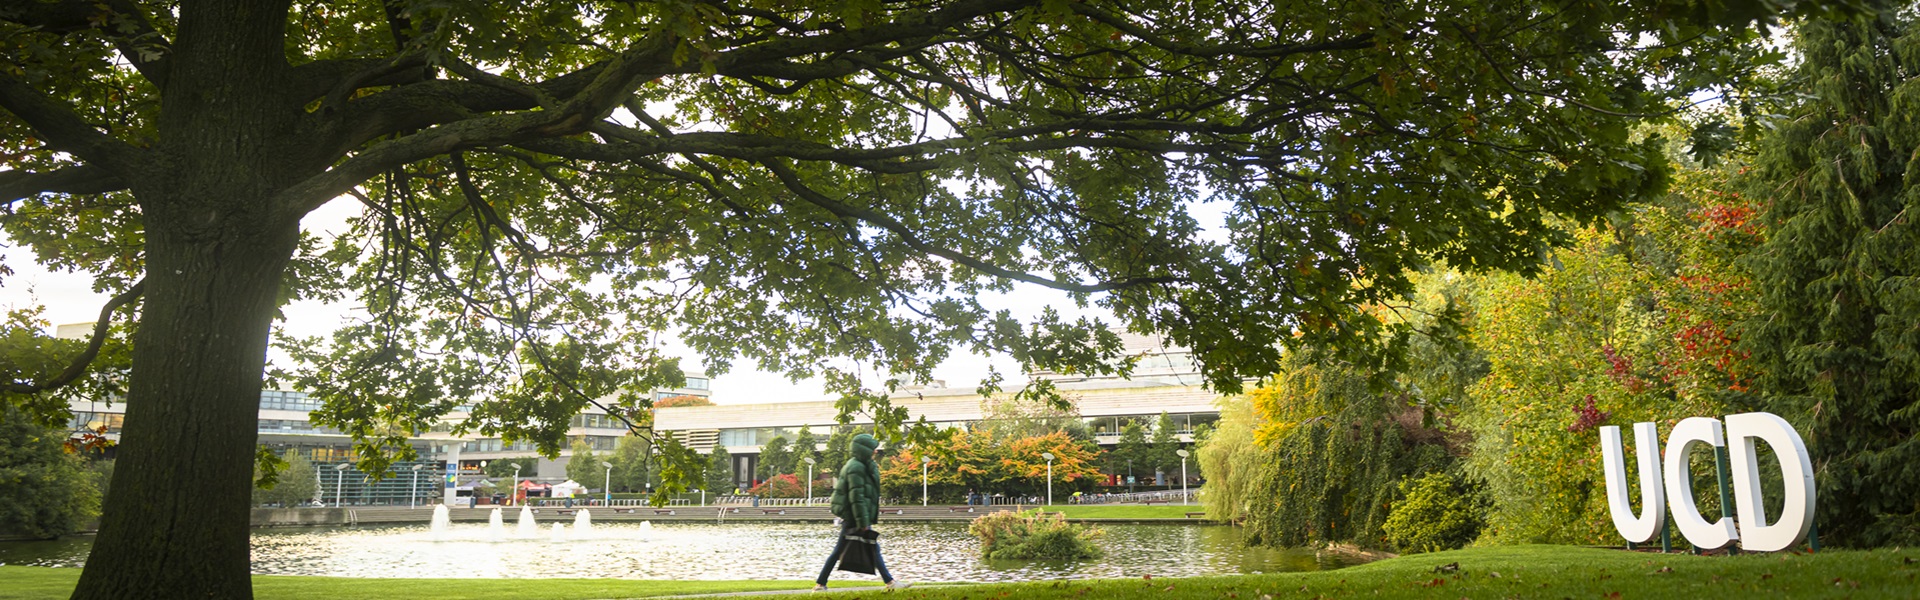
{"x": 1165, "y": 380}
{"x": 285, "y": 423}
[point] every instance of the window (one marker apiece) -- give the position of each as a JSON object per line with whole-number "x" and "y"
{"x": 696, "y": 383}
{"x": 1204, "y": 419}
{"x": 733, "y": 438}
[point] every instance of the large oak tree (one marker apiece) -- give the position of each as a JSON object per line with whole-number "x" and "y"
{"x": 546, "y": 186}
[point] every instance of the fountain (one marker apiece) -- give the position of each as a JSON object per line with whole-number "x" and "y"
{"x": 646, "y": 530}
{"x": 582, "y": 525}
{"x": 441, "y": 521}
{"x": 496, "y": 530}
{"x": 528, "y": 528}
{"x": 559, "y": 534}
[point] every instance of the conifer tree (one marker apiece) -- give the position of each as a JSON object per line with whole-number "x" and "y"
{"x": 774, "y": 459}
{"x": 720, "y": 470}
{"x": 1840, "y": 324}
{"x": 805, "y": 446}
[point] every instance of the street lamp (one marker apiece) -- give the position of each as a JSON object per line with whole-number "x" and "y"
{"x": 1129, "y": 475}
{"x": 513, "y": 493}
{"x": 1184, "y": 498}
{"x": 339, "y": 478}
{"x": 811, "y": 473}
{"x": 414, "y": 492}
{"x": 924, "y": 461}
{"x": 607, "y": 492}
{"x": 1049, "y": 457}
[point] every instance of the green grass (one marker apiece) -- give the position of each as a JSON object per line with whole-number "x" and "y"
{"x": 1512, "y": 572}
{"x": 1124, "y": 511}
{"x": 1501, "y": 572}
{"x": 36, "y": 583}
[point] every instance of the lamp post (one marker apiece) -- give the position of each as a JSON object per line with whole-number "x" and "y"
{"x": 339, "y": 479}
{"x": 473, "y": 500}
{"x": 513, "y": 493}
{"x": 1184, "y": 498}
{"x": 607, "y": 492}
{"x": 1129, "y": 475}
{"x": 414, "y": 493}
{"x": 810, "y": 475}
{"x": 924, "y": 461}
{"x": 1049, "y": 457}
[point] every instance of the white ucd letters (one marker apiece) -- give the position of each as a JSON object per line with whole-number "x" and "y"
{"x": 1752, "y": 531}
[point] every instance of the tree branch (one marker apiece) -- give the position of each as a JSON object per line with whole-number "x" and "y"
{"x": 18, "y": 185}
{"x": 792, "y": 181}
{"x": 130, "y": 29}
{"x": 65, "y": 131}
{"x": 79, "y": 365}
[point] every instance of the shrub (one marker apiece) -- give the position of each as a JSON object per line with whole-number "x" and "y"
{"x": 789, "y": 486}
{"x": 1437, "y": 513}
{"x": 1033, "y": 534}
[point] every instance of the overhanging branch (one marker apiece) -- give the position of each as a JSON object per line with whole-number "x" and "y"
{"x": 65, "y": 131}
{"x": 78, "y": 179}
{"x": 79, "y": 365}
{"x": 907, "y": 236}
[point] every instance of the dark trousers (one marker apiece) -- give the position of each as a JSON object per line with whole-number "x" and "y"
{"x": 840, "y": 547}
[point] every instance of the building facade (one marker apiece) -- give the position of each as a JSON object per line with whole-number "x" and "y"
{"x": 1165, "y": 380}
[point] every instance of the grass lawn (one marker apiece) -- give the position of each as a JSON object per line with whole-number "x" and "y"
{"x": 1502, "y": 572}
{"x": 43, "y": 583}
{"x": 1124, "y": 511}
{"x": 1513, "y": 572}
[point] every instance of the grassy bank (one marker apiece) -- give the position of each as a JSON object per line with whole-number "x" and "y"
{"x": 35, "y": 583}
{"x": 1123, "y": 511}
{"x": 1517, "y": 571}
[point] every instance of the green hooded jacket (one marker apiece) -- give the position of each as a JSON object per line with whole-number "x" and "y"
{"x": 856, "y": 494}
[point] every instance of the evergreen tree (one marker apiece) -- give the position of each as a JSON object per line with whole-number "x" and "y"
{"x": 774, "y": 459}
{"x": 719, "y": 478}
{"x": 806, "y": 446}
{"x": 630, "y": 464}
{"x": 836, "y": 454}
{"x": 1163, "y": 452}
{"x": 44, "y": 491}
{"x": 1840, "y": 324}
{"x": 503, "y": 467}
{"x": 1130, "y": 455}
{"x": 295, "y": 485}
{"x": 584, "y": 468}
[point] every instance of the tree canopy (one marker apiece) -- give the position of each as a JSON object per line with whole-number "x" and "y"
{"x": 546, "y": 187}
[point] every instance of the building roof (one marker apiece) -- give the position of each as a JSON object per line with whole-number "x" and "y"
{"x": 1093, "y": 398}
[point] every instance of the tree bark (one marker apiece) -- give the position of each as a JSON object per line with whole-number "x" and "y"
{"x": 176, "y": 525}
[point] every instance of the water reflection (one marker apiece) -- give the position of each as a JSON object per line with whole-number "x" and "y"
{"x": 915, "y": 551}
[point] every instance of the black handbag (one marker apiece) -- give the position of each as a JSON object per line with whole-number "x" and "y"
{"x": 863, "y": 552}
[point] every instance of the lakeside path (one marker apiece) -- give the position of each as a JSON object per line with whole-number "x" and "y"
{"x": 1499, "y": 572}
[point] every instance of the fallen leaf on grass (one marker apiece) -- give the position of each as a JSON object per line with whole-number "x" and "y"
{"x": 1664, "y": 570}
{"x": 1766, "y": 576}
{"x": 1437, "y": 582}
{"x": 1611, "y": 595}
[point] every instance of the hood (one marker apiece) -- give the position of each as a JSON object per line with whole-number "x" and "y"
{"x": 863, "y": 446}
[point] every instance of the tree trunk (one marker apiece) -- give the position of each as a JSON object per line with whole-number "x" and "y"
{"x": 176, "y": 524}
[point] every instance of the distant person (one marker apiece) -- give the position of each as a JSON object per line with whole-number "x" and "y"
{"x": 856, "y": 501}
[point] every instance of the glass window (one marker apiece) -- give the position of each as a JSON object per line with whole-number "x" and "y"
{"x": 1200, "y": 419}
{"x": 696, "y": 383}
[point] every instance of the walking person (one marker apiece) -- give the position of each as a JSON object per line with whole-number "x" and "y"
{"x": 856, "y": 501}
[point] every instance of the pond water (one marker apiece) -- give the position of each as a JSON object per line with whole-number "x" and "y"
{"x": 927, "y": 552}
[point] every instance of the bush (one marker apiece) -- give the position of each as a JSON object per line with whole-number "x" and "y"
{"x": 1033, "y": 534}
{"x": 1437, "y": 513}
{"x": 789, "y": 486}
